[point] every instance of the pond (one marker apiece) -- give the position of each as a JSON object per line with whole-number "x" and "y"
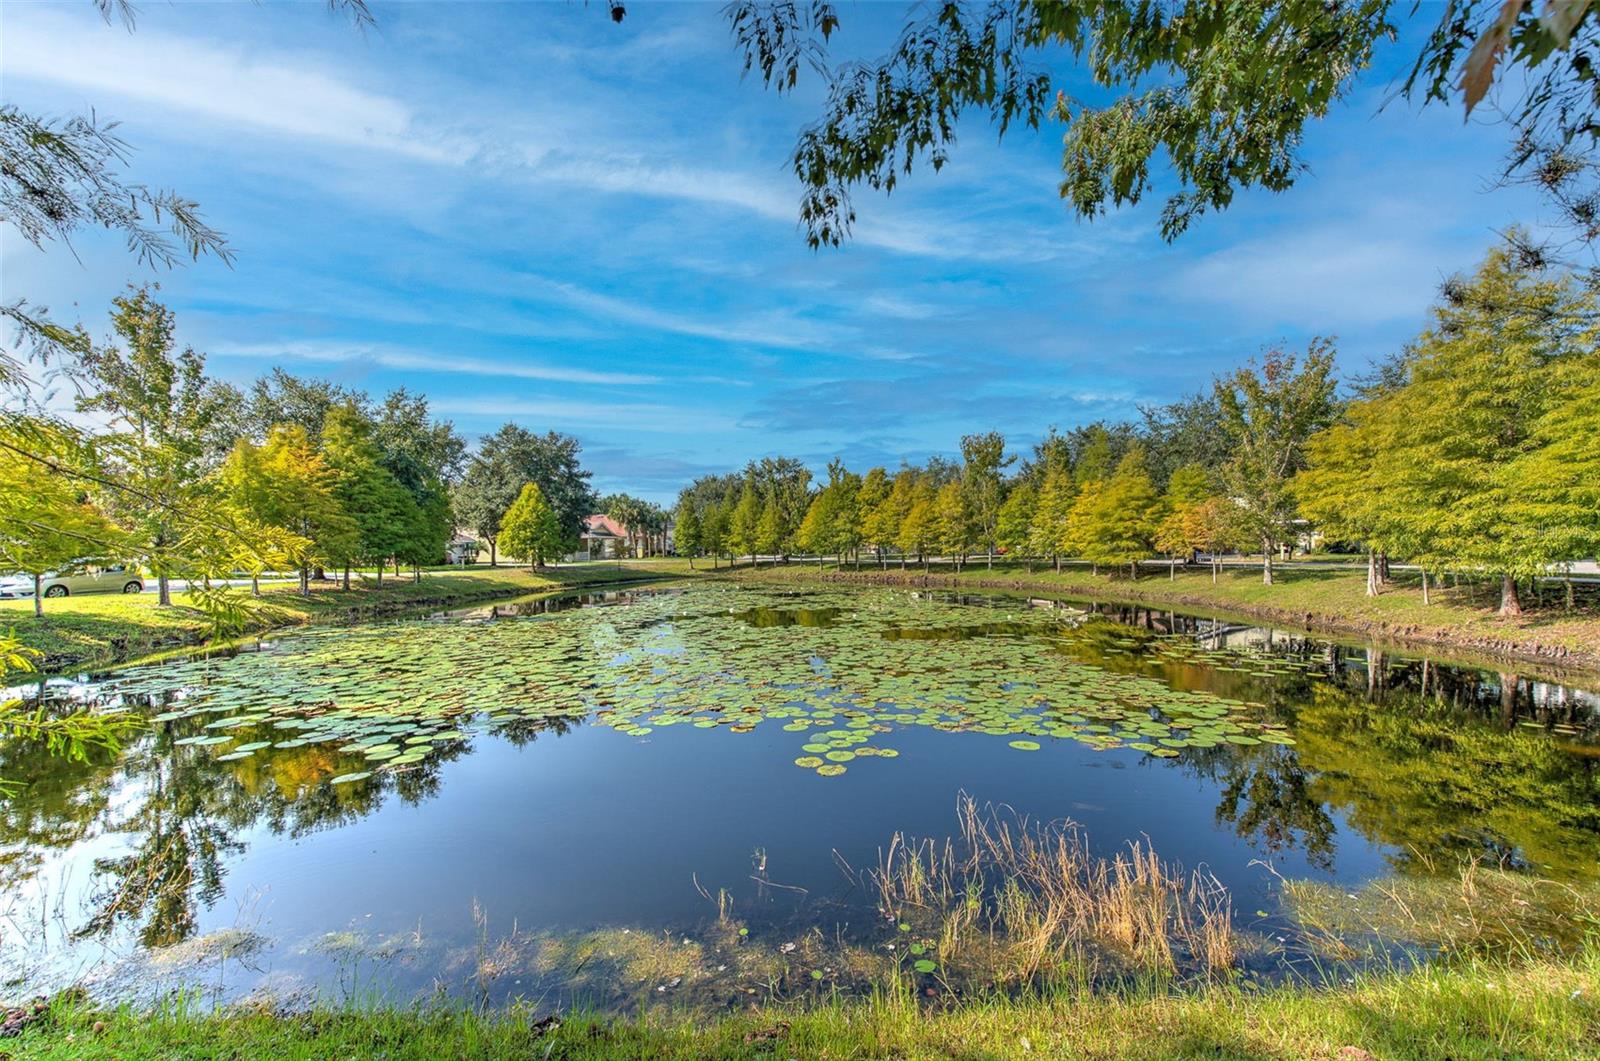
{"x": 715, "y": 793}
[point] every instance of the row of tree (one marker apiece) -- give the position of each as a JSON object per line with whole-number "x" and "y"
{"x": 1475, "y": 450}
{"x": 196, "y": 479}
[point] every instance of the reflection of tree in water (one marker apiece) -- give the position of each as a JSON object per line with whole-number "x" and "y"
{"x": 1267, "y": 797}
{"x": 185, "y": 811}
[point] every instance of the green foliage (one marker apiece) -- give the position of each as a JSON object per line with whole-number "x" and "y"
{"x": 832, "y": 525}
{"x": 1480, "y": 456}
{"x": 1119, "y": 518}
{"x": 687, "y": 530}
{"x": 365, "y": 490}
{"x": 1014, "y": 525}
{"x": 1216, "y": 95}
{"x": 170, "y": 426}
{"x": 1270, "y": 414}
{"x": 531, "y": 529}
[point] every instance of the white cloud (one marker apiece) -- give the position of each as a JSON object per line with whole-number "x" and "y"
{"x": 395, "y": 357}
{"x": 226, "y": 84}
{"x": 592, "y": 416}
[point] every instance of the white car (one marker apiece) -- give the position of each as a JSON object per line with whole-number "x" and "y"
{"x": 110, "y": 578}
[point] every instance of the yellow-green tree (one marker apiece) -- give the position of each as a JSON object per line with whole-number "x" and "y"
{"x": 45, "y": 523}
{"x": 1122, "y": 519}
{"x": 530, "y": 529}
{"x": 1014, "y": 525}
{"x": 1049, "y": 534}
{"x": 1188, "y": 488}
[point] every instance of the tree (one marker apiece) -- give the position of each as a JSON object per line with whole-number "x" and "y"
{"x": 1014, "y": 525}
{"x": 882, "y": 523}
{"x": 168, "y": 422}
{"x": 286, "y": 484}
{"x": 1083, "y": 522}
{"x": 1050, "y": 533}
{"x": 1189, "y": 488}
{"x": 531, "y": 529}
{"x": 1510, "y": 348}
{"x": 511, "y": 456}
{"x": 1222, "y": 91}
{"x": 47, "y": 525}
{"x": 955, "y": 527}
{"x": 1120, "y": 521}
{"x": 745, "y": 521}
{"x": 1269, "y": 415}
{"x": 982, "y": 460}
{"x": 686, "y": 530}
{"x": 920, "y": 527}
{"x": 771, "y": 535}
{"x": 1344, "y": 490}
{"x": 365, "y": 490}
{"x": 873, "y": 493}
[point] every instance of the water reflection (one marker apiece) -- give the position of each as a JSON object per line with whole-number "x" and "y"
{"x": 1422, "y": 762}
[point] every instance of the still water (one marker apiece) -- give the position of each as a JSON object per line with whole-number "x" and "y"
{"x": 684, "y": 793}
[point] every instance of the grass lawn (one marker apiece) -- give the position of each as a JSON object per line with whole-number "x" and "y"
{"x": 103, "y": 628}
{"x": 1334, "y": 600}
{"x": 1542, "y": 1009}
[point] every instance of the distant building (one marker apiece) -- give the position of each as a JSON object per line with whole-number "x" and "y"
{"x": 462, "y": 549}
{"x": 603, "y": 538}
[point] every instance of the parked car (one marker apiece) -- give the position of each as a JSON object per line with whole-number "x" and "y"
{"x": 95, "y": 578}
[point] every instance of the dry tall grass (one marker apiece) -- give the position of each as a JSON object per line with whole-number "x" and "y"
{"x": 1008, "y": 900}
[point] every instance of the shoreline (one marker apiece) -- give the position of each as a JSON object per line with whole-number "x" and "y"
{"x": 1491, "y": 650}
{"x": 131, "y": 640}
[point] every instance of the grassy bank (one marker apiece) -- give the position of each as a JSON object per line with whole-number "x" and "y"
{"x": 92, "y": 630}
{"x": 1330, "y": 600}
{"x": 1540, "y": 1009}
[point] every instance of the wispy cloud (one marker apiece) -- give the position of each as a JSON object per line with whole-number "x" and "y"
{"x": 594, "y": 417}
{"x": 333, "y": 352}
{"x": 294, "y": 98}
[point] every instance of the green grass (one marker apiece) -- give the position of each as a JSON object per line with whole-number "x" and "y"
{"x": 1483, "y": 1009}
{"x": 1332, "y": 600}
{"x": 86, "y": 630}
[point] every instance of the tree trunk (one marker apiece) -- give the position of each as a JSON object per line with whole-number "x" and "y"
{"x": 305, "y": 581}
{"x": 1214, "y": 567}
{"x": 255, "y": 584}
{"x": 416, "y": 573}
{"x": 1569, "y": 591}
{"x": 1172, "y": 568}
{"x": 494, "y": 561}
{"x": 163, "y": 592}
{"x": 1383, "y": 568}
{"x": 1266, "y": 563}
{"x": 1425, "y": 600}
{"x": 38, "y": 596}
{"x": 1510, "y": 603}
{"x": 380, "y": 574}
{"x": 347, "y": 577}
{"x": 1057, "y": 559}
{"x": 1372, "y": 573}
{"x": 989, "y": 557}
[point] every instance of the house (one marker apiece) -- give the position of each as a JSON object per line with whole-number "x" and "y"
{"x": 602, "y": 538}
{"x": 462, "y": 549}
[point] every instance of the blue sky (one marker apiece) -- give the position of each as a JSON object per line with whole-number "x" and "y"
{"x": 531, "y": 214}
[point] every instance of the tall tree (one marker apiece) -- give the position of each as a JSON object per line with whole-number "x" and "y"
{"x": 1014, "y": 526}
{"x": 170, "y": 426}
{"x": 1270, "y": 413}
{"x": 686, "y": 530}
{"x": 983, "y": 458}
{"x": 531, "y": 529}
{"x": 46, "y": 524}
{"x": 365, "y": 489}
{"x": 1122, "y": 519}
{"x": 1050, "y": 533}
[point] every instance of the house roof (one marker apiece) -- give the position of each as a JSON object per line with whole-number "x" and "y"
{"x": 601, "y": 525}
